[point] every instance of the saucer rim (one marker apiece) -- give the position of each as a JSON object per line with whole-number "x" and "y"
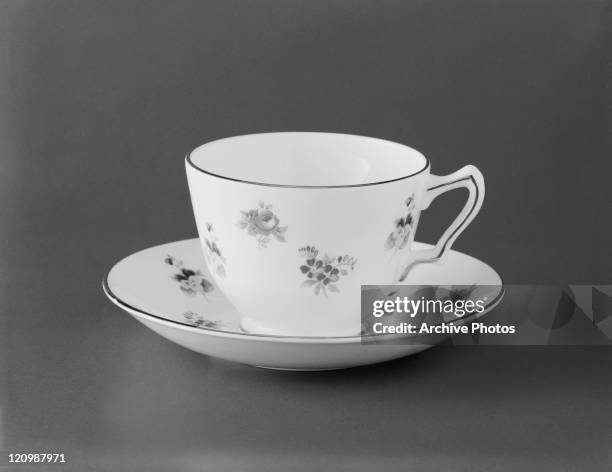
{"x": 267, "y": 337}
{"x": 271, "y": 337}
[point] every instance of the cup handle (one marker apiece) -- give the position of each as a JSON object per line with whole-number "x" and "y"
{"x": 468, "y": 177}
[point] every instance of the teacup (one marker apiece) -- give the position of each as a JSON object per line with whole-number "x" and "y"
{"x": 292, "y": 224}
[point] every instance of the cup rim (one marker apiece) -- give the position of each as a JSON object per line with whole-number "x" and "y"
{"x": 190, "y": 162}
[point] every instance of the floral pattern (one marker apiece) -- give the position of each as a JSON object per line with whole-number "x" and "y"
{"x": 191, "y": 282}
{"x": 323, "y": 273}
{"x": 197, "y": 320}
{"x": 398, "y": 238}
{"x": 213, "y": 254}
{"x": 263, "y": 224}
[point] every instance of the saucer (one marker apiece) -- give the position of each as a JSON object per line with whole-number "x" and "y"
{"x": 169, "y": 290}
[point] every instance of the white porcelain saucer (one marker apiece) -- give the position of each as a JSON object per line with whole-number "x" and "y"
{"x": 168, "y": 289}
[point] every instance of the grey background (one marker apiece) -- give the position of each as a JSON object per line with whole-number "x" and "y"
{"x": 101, "y": 100}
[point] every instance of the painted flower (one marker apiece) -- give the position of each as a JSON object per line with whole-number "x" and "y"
{"x": 461, "y": 292}
{"x": 322, "y": 273}
{"x": 191, "y": 282}
{"x": 263, "y": 224}
{"x": 399, "y": 237}
{"x": 213, "y": 254}
{"x": 199, "y": 321}
{"x": 266, "y": 221}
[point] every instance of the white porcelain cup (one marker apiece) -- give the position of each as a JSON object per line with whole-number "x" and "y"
{"x": 292, "y": 224}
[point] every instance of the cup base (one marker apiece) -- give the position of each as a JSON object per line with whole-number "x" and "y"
{"x": 253, "y": 327}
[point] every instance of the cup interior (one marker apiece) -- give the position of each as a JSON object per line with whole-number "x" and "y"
{"x": 306, "y": 159}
